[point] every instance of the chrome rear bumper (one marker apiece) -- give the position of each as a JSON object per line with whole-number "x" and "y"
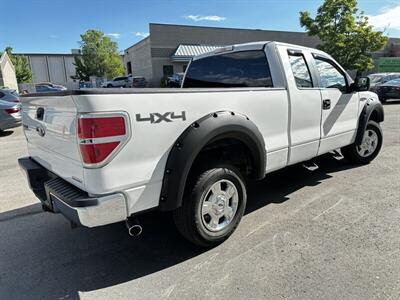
{"x": 59, "y": 196}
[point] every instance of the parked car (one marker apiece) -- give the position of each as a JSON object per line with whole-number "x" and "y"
{"x": 85, "y": 84}
{"x": 9, "y": 95}
{"x": 57, "y": 86}
{"x": 389, "y": 90}
{"x": 47, "y": 87}
{"x": 380, "y": 78}
{"x": 243, "y": 111}
{"x": 121, "y": 81}
{"x": 175, "y": 80}
{"x": 137, "y": 81}
{"x": 10, "y": 115}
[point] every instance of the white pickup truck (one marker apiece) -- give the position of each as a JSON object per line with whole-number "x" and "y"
{"x": 104, "y": 156}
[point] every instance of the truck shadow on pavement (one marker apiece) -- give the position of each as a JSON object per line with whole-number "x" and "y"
{"x": 40, "y": 257}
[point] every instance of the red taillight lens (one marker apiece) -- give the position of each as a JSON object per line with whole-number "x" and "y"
{"x": 12, "y": 110}
{"x": 96, "y": 153}
{"x": 101, "y": 127}
{"x": 99, "y": 137}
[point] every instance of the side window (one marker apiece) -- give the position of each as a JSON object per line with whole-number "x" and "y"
{"x": 41, "y": 88}
{"x": 330, "y": 76}
{"x": 300, "y": 71}
{"x": 238, "y": 69}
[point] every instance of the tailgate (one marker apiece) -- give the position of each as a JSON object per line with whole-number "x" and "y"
{"x": 50, "y": 128}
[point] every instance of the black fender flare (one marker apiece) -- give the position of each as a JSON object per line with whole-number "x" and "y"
{"x": 369, "y": 108}
{"x": 208, "y": 129}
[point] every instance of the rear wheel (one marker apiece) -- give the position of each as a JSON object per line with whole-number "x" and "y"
{"x": 368, "y": 149}
{"x": 212, "y": 207}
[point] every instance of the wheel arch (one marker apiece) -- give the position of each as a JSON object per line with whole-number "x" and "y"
{"x": 372, "y": 110}
{"x": 208, "y": 129}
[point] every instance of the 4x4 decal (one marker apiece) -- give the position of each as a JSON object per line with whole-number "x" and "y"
{"x": 155, "y": 118}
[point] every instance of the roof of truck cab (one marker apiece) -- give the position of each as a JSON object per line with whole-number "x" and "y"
{"x": 259, "y": 45}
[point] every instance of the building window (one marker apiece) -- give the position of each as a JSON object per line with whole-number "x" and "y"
{"x": 239, "y": 69}
{"x": 129, "y": 67}
{"x": 168, "y": 70}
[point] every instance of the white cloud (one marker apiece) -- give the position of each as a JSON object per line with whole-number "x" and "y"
{"x": 114, "y": 35}
{"x": 142, "y": 34}
{"x": 198, "y": 18}
{"x": 53, "y": 36}
{"x": 388, "y": 18}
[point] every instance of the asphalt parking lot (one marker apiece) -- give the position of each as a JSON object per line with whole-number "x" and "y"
{"x": 333, "y": 233}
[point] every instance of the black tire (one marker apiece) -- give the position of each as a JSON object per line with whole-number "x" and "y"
{"x": 351, "y": 154}
{"x": 383, "y": 100}
{"x": 109, "y": 85}
{"x": 189, "y": 219}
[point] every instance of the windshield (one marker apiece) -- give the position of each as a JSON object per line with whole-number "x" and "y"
{"x": 395, "y": 82}
{"x": 376, "y": 78}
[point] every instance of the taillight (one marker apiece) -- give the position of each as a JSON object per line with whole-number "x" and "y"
{"x": 90, "y": 128}
{"x": 100, "y": 137}
{"x": 12, "y": 110}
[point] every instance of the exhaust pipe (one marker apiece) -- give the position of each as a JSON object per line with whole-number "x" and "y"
{"x": 134, "y": 228}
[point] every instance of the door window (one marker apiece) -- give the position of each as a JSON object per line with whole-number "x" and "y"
{"x": 300, "y": 71}
{"x": 330, "y": 76}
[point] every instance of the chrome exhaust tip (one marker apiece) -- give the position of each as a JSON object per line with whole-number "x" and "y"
{"x": 134, "y": 229}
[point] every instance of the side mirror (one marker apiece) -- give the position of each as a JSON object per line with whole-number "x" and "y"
{"x": 361, "y": 84}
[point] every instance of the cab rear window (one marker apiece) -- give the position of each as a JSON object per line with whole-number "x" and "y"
{"x": 238, "y": 69}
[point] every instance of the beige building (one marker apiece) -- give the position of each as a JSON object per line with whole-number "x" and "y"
{"x": 7, "y": 72}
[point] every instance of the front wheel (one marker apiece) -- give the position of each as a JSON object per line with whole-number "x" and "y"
{"x": 369, "y": 147}
{"x": 213, "y": 206}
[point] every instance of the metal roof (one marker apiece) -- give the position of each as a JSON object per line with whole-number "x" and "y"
{"x": 186, "y": 52}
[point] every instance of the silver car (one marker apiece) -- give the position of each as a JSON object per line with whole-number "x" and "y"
{"x": 121, "y": 81}
{"x": 10, "y": 115}
{"x": 9, "y": 95}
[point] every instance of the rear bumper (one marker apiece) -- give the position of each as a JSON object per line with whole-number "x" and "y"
{"x": 59, "y": 196}
{"x": 10, "y": 123}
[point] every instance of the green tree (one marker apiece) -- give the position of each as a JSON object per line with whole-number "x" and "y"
{"x": 344, "y": 33}
{"x": 99, "y": 56}
{"x": 21, "y": 64}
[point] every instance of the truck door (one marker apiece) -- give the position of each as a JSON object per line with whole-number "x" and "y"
{"x": 305, "y": 104}
{"x": 339, "y": 107}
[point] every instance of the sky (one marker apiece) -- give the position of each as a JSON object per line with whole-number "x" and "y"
{"x": 54, "y": 26}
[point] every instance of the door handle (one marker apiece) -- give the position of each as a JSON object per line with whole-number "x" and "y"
{"x": 326, "y": 104}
